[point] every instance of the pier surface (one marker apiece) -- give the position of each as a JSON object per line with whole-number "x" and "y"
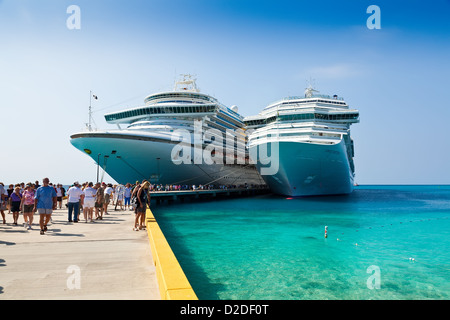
{"x": 104, "y": 260}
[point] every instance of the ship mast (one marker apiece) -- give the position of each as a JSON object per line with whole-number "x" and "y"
{"x": 309, "y": 92}
{"x": 187, "y": 84}
{"x": 89, "y": 124}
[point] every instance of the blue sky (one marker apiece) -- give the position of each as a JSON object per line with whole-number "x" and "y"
{"x": 245, "y": 53}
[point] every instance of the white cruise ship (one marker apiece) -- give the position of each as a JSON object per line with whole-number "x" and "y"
{"x": 308, "y": 145}
{"x": 166, "y": 141}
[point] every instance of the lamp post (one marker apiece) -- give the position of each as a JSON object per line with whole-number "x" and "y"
{"x": 98, "y": 165}
{"x": 105, "y": 158}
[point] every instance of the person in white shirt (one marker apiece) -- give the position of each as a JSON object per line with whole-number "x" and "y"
{"x": 74, "y": 200}
{"x": 119, "y": 195}
{"x": 89, "y": 201}
{"x": 59, "y": 195}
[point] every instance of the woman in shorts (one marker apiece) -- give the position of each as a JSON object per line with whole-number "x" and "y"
{"x": 108, "y": 193}
{"x": 28, "y": 205}
{"x": 99, "y": 201}
{"x": 143, "y": 198}
{"x": 59, "y": 195}
{"x": 89, "y": 201}
{"x": 16, "y": 200}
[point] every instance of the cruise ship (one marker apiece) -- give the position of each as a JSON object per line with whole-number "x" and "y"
{"x": 178, "y": 137}
{"x": 306, "y": 143}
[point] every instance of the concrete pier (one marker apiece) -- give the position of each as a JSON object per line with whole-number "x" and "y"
{"x": 103, "y": 260}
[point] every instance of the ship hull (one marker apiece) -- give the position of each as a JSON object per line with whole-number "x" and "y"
{"x": 130, "y": 158}
{"x": 308, "y": 169}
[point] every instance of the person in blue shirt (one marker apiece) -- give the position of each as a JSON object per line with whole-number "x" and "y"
{"x": 45, "y": 203}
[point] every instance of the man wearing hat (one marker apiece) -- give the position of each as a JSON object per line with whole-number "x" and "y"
{"x": 74, "y": 201}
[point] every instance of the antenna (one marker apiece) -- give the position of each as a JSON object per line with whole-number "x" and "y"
{"x": 187, "y": 83}
{"x": 89, "y": 125}
{"x": 309, "y": 92}
{"x": 311, "y": 83}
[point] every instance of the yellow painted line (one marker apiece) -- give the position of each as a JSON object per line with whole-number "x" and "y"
{"x": 173, "y": 284}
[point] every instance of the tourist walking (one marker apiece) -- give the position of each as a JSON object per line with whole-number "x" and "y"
{"x": 119, "y": 192}
{"x": 16, "y": 200}
{"x": 28, "y": 206}
{"x": 127, "y": 196}
{"x": 99, "y": 201}
{"x": 45, "y": 203}
{"x": 3, "y": 201}
{"x": 59, "y": 195}
{"x": 143, "y": 197}
{"x": 108, "y": 193}
{"x": 89, "y": 201}
{"x": 74, "y": 200}
{"x": 10, "y": 192}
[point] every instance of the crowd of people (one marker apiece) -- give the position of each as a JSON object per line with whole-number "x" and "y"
{"x": 90, "y": 199}
{"x": 185, "y": 187}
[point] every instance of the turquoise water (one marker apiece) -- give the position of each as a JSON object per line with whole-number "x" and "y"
{"x": 272, "y": 248}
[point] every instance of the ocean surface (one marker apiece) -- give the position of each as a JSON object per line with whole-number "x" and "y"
{"x": 384, "y": 242}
